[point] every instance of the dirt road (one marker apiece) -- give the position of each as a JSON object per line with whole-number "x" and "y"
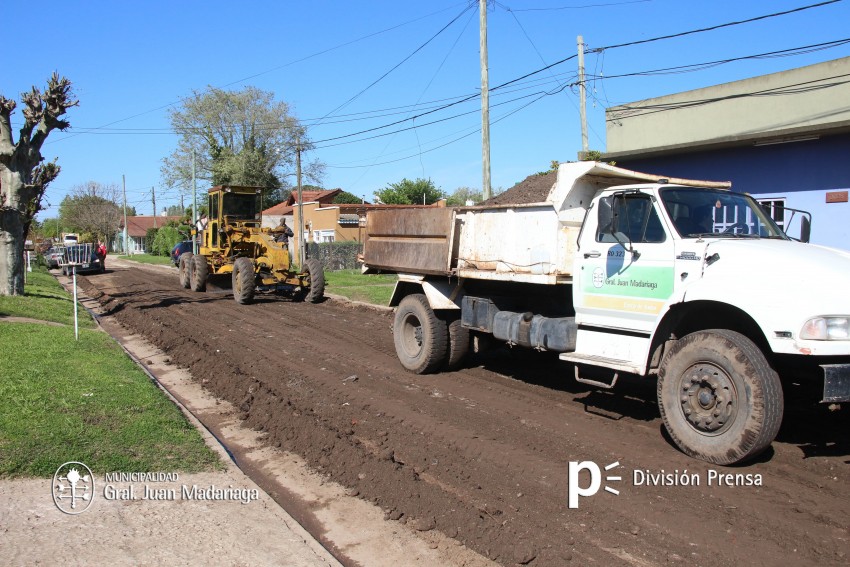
{"x": 482, "y": 454}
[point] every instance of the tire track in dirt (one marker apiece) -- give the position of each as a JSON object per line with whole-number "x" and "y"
{"x": 482, "y": 455}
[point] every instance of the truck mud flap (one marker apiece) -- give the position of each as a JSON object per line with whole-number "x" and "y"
{"x": 836, "y": 383}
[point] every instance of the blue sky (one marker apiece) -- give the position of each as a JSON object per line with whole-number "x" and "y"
{"x": 130, "y": 60}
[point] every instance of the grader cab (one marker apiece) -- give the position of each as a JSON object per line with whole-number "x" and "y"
{"x": 234, "y": 243}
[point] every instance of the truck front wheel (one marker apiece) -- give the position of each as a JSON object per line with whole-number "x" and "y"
{"x": 420, "y": 336}
{"x": 719, "y": 397}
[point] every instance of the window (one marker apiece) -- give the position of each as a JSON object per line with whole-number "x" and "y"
{"x": 633, "y": 215}
{"x": 323, "y": 236}
{"x": 775, "y": 209}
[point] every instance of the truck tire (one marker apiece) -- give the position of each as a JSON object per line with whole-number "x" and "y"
{"x": 185, "y": 265}
{"x": 244, "y": 281}
{"x": 720, "y": 399}
{"x": 316, "y": 275}
{"x": 458, "y": 341}
{"x": 420, "y": 336}
{"x": 200, "y": 271}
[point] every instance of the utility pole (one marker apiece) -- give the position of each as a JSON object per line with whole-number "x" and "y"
{"x": 582, "y": 96}
{"x": 485, "y": 102}
{"x": 126, "y": 245}
{"x": 194, "y": 206}
{"x": 301, "y": 243}
{"x": 153, "y": 197}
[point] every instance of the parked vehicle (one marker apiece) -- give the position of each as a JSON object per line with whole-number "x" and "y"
{"x": 83, "y": 258}
{"x": 179, "y": 249}
{"x": 53, "y": 256}
{"x": 70, "y": 238}
{"x": 679, "y": 279}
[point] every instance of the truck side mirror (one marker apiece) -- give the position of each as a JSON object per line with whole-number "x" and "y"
{"x": 620, "y": 208}
{"x": 805, "y": 229}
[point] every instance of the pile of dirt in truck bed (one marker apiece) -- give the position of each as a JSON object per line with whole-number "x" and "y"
{"x": 533, "y": 189}
{"x": 482, "y": 454}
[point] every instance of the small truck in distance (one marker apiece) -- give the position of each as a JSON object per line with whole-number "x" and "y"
{"x": 625, "y": 272}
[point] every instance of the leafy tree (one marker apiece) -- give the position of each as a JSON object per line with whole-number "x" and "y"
{"x": 93, "y": 208}
{"x": 174, "y": 210}
{"x": 407, "y": 192}
{"x": 23, "y": 176}
{"x": 238, "y": 137}
{"x": 50, "y": 228}
{"x": 347, "y": 198}
{"x": 165, "y": 240}
{"x": 463, "y": 194}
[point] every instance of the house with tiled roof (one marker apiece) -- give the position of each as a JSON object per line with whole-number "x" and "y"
{"x": 137, "y": 228}
{"x": 326, "y": 221}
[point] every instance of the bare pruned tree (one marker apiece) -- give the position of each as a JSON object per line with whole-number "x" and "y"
{"x": 93, "y": 207}
{"x": 23, "y": 176}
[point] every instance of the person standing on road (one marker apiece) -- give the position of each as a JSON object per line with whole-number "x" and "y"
{"x": 101, "y": 254}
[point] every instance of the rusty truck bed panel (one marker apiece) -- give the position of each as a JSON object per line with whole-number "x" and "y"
{"x": 413, "y": 240}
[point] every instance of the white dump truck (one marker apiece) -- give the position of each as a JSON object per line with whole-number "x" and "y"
{"x": 625, "y": 272}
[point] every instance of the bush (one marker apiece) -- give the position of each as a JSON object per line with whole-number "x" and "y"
{"x": 166, "y": 238}
{"x": 335, "y": 255}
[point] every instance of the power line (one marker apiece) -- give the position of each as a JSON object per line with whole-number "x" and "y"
{"x": 582, "y": 7}
{"x": 712, "y": 28}
{"x": 399, "y": 64}
{"x": 796, "y": 88}
{"x": 293, "y": 62}
{"x": 700, "y": 66}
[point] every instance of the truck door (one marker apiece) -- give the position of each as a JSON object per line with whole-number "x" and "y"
{"x": 624, "y": 267}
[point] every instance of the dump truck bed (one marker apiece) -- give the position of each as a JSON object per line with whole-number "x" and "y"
{"x": 533, "y": 243}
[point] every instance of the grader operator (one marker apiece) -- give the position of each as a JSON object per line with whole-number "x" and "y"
{"x": 233, "y": 243}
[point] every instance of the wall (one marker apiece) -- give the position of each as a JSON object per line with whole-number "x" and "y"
{"x": 800, "y": 172}
{"x": 790, "y": 103}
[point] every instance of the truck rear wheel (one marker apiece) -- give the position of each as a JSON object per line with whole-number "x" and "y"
{"x": 420, "y": 336}
{"x": 316, "y": 283}
{"x": 458, "y": 341}
{"x": 719, "y": 397}
{"x": 244, "y": 280}
{"x": 185, "y": 264}
{"x": 200, "y": 271}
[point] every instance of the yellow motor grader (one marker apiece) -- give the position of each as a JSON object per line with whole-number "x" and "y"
{"x": 233, "y": 243}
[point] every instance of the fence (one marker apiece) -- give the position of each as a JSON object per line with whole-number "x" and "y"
{"x": 335, "y": 255}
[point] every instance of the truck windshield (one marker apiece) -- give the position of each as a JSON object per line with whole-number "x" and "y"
{"x": 699, "y": 212}
{"x": 240, "y": 206}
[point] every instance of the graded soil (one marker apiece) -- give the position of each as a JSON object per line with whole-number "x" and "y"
{"x": 482, "y": 454}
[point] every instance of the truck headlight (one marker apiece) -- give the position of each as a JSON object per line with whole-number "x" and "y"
{"x": 826, "y": 329}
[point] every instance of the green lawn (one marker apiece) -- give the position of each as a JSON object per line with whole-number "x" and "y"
{"x": 371, "y": 288}
{"x": 66, "y": 400}
{"x": 46, "y": 300}
{"x": 147, "y": 259}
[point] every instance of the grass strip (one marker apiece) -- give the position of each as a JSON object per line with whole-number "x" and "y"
{"x": 44, "y": 299}
{"x": 65, "y": 400}
{"x": 147, "y": 259}
{"x": 369, "y": 288}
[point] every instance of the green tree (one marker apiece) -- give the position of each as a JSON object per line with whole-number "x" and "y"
{"x": 463, "y": 194}
{"x": 238, "y": 137}
{"x": 51, "y": 228}
{"x": 165, "y": 240}
{"x": 407, "y": 192}
{"x": 347, "y": 198}
{"x": 23, "y": 176}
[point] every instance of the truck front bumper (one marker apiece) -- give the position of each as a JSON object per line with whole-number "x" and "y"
{"x": 836, "y": 383}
